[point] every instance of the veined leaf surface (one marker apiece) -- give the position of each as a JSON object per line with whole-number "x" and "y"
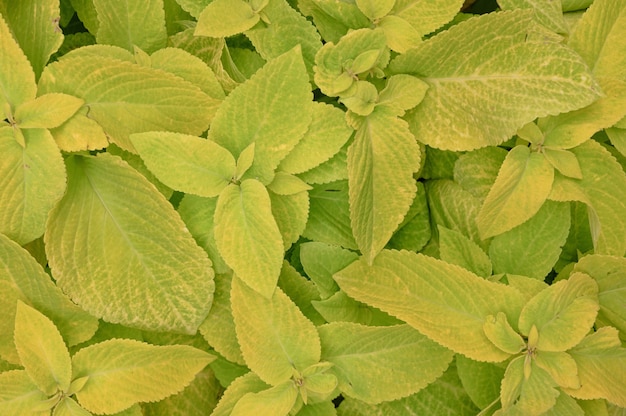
{"x": 120, "y": 251}
{"x": 17, "y": 79}
{"x": 20, "y": 396}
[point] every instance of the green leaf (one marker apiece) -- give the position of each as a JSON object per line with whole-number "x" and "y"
{"x": 22, "y": 277}
{"x": 35, "y": 25}
{"x": 375, "y": 9}
{"x": 426, "y": 16}
{"x": 381, "y": 163}
{"x": 548, "y": 13}
{"x": 266, "y": 110}
{"x": 333, "y": 18}
{"x": 33, "y": 181}
{"x": 17, "y": 79}
{"x": 285, "y": 184}
{"x": 47, "y": 111}
{"x": 564, "y": 161}
{"x": 377, "y": 364}
{"x": 341, "y": 308}
{"x": 503, "y": 336}
{"x": 68, "y": 407}
{"x": 562, "y": 313}
{"x": 291, "y": 213}
{"x": 186, "y": 163}
{"x": 457, "y": 249}
{"x": 126, "y": 98}
{"x": 80, "y": 133}
{"x": 223, "y": 18}
{"x": 123, "y": 372}
{"x": 334, "y": 169}
{"x": 130, "y": 23}
{"x": 481, "y": 381}
{"x": 275, "y": 401}
{"x": 476, "y": 171}
{"x": 402, "y": 93}
{"x": 489, "y": 76}
{"x": 539, "y": 239}
{"x": 42, "y": 350}
{"x": 414, "y": 232}
{"x": 443, "y": 301}
{"x": 9, "y": 297}
{"x": 244, "y": 161}
{"x": 561, "y": 367}
{"x": 247, "y": 236}
{"x": 531, "y": 395}
{"x": 321, "y": 261}
{"x": 275, "y": 337}
{"x": 522, "y": 186}
{"x": 601, "y": 362}
{"x": 610, "y": 275}
{"x": 248, "y": 383}
{"x": 360, "y": 98}
{"x": 618, "y": 139}
{"x": 401, "y": 35}
{"x": 20, "y": 396}
{"x": 318, "y": 409}
{"x": 114, "y": 220}
{"x": 301, "y": 291}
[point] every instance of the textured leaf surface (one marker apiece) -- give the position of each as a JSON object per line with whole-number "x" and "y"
{"x": 481, "y": 381}
{"x": 120, "y": 251}
{"x": 32, "y": 180}
{"x": 274, "y": 335}
{"x": 248, "y": 383}
{"x": 547, "y": 12}
{"x": 123, "y": 372}
{"x": 47, "y": 111}
{"x": 247, "y": 236}
{"x": 377, "y": 364}
{"x": 534, "y": 394}
{"x": 19, "y": 395}
{"x": 42, "y": 350}
{"x": 457, "y": 249}
{"x": 291, "y": 213}
{"x": 223, "y": 18}
{"x": 426, "y": 16}
{"x": 488, "y": 77}
{"x": 17, "y": 79}
{"x": 320, "y": 261}
{"x": 68, "y": 407}
{"x": 441, "y": 300}
{"x": 476, "y": 171}
{"x": 275, "y": 401}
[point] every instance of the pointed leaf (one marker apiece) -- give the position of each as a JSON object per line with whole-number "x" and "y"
{"x": 32, "y": 180}
{"x": 547, "y": 12}
{"x": 80, "y": 133}
{"x": 523, "y": 184}
{"x": 503, "y": 336}
{"x": 20, "y": 396}
{"x": 275, "y": 401}
{"x": 341, "y": 308}
{"x": 17, "y": 79}
{"x": 561, "y": 367}
{"x": 485, "y": 57}
{"x": 414, "y": 232}
{"x": 68, "y": 407}
{"x": 291, "y": 213}
{"x": 402, "y": 93}
{"x": 476, "y": 171}
{"x": 223, "y": 18}
{"x": 376, "y": 364}
{"x": 123, "y": 372}
{"x": 334, "y": 19}
{"x": 564, "y": 161}
{"x": 244, "y": 161}
{"x": 441, "y": 300}
{"x": 248, "y": 383}
{"x": 47, "y": 111}
{"x": 274, "y": 335}
{"x": 320, "y": 261}
{"x": 375, "y": 9}
{"x": 247, "y": 236}
{"x": 533, "y": 395}
{"x": 426, "y": 16}
{"x": 381, "y": 164}
{"x": 481, "y": 381}
{"x": 401, "y": 35}
{"x": 457, "y": 249}
{"x": 285, "y": 184}
{"x": 114, "y": 221}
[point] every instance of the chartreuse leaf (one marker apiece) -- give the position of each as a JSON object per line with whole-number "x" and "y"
{"x": 445, "y": 302}
{"x": 32, "y": 180}
{"x": 132, "y": 23}
{"x": 122, "y": 372}
{"x": 247, "y": 236}
{"x": 9, "y": 297}
{"x": 35, "y": 25}
{"x": 402, "y": 93}
{"x": 42, "y": 350}
{"x": 24, "y": 279}
{"x": 376, "y": 364}
{"x": 503, "y": 336}
{"x": 547, "y": 12}
{"x": 126, "y": 98}
{"x": 266, "y": 110}
{"x": 481, "y": 381}
{"x": 223, "y": 18}
{"x": 476, "y": 171}
{"x": 275, "y": 401}
{"x": 320, "y": 261}
{"x": 291, "y": 213}
{"x": 457, "y": 249}
{"x": 381, "y": 163}
{"x": 401, "y": 35}
{"x": 186, "y": 163}
{"x": 610, "y": 274}
{"x": 561, "y": 367}
{"x": 510, "y": 72}
{"x": 318, "y": 409}
{"x": 341, "y": 308}
{"x": 285, "y": 184}
{"x": 20, "y": 396}
{"x": 415, "y": 231}
{"x": 80, "y": 133}
{"x": 601, "y": 362}
{"x": 301, "y": 291}
{"x": 522, "y": 186}
{"x": 247, "y": 383}
{"x": 603, "y": 189}
{"x": 563, "y": 313}
{"x": 105, "y": 244}
{"x": 276, "y": 339}
{"x": 539, "y": 239}
{"x": 68, "y": 407}
{"x": 375, "y": 9}
{"x": 428, "y": 16}
{"x": 564, "y": 162}
{"x": 332, "y": 18}
{"x": 47, "y": 111}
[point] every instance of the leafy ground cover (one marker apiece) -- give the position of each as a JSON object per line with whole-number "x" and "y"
{"x": 312, "y": 207}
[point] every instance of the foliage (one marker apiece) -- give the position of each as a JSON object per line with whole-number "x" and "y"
{"x": 312, "y": 207}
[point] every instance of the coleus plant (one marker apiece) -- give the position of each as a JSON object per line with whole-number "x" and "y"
{"x": 312, "y": 207}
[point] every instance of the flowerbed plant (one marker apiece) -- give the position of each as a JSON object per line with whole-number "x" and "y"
{"x": 312, "y": 207}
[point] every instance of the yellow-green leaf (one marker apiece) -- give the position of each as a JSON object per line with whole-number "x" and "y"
{"x": 47, "y": 111}
{"x": 223, "y": 18}
{"x": 275, "y": 401}
{"x": 20, "y": 396}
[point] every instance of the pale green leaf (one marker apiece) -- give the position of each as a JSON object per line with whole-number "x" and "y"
{"x": 42, "y": 350}
{"x": 333, "y": 18}
{"x": 22, "y": 277}
{"x": 503, "y": 336}
{"x": 275, "y": 401}
{"x": 377, "y": 364}
{"x": 438, "y": 164}
{"x": 334, "y": 169}
{"x": 566, "y": 405}
{"x": 564, "y": 161}
{"x": 601, "y": 362}
{"x": 86, "y": 12}
{"x": 35, "y": 25}
{"x": 47, "y": 111}
{"x": 455, "y": 248}
{"x": 341, "y": 308}
{"x": 401, "y": 35}
{"x": 114, "y": 236}
{"x": 563, "y": 313}
{"x": 481, "y": 381}
{"x": 247, "y": 236}
{"x": 124, "y": 372}
{"x": 476, "y": 171}
{"x": 320, "y": 261}
{"x": 618, "y": 139}
{"x": 248, "y": 383}
{"x": 20, "y": 396}
{"x": 443, "y": 301}
{"x": 186, "y": 163}
{"x": 130, "y": 23}
{"x": 275, "y": 337}
{"x": 126, "y": 98}
{"x": 32, "y": 180}
{"x": 527, "y": 396}
{"x": 522, "y": 186}
{"x": 547, "y": 12}
{"x": 318, "y": 409}
{"x": 285, "y": 184}
{"x": 301, "y": 291}
{"x": 561, "y": 367}
{"x": 68, "y": 407}
{"x": 17, "y": 79}
{"x": 603, "y": 189}
{"x": 9, "y": 297}
{"x": 80, "y": 133}
{"x": 360, "y": 98}
{"x": 402, "y": 93}
{"x": 381, "y": 163}
{"x": 223, "y": 18}
{"x": 489, "y": 76}
{"x": 532, "y": 248}
{"x": 266, "y": 110}
{"x": 291, "y": 213}
{"x": 227, "y": 371}
{"x": 426, "y": 16}
{"x": 375, "y": 9}
{"x": 414, "y": 232}
{"x": 574, "y": 5}
{"x": 244, "y": 161}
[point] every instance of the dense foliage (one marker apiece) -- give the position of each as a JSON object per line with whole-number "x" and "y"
{"x": 312, "y": 207}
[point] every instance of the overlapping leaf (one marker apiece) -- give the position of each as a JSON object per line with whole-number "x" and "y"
{"x": 19, "y": 395}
